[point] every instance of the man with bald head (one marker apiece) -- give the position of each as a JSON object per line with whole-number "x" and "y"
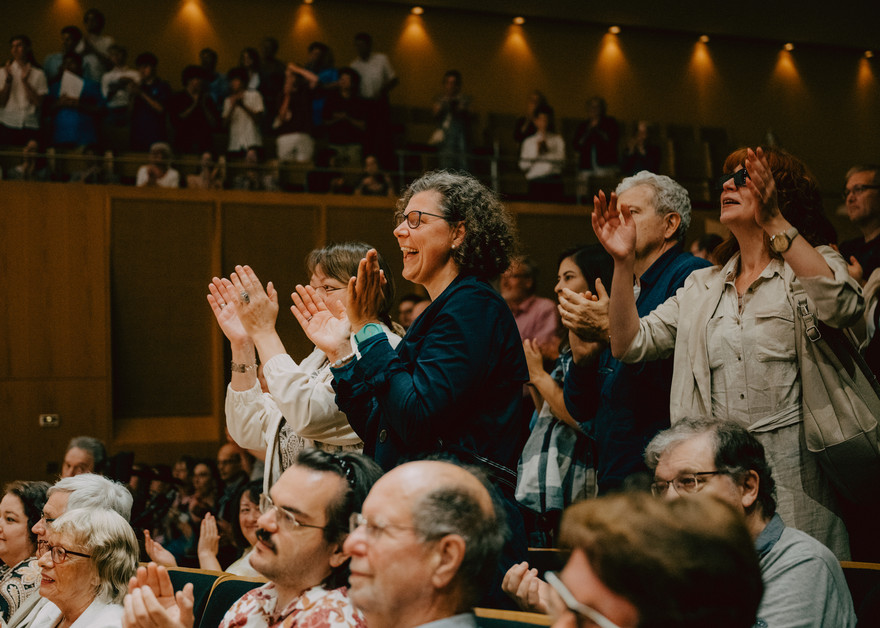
{"x": 425, "y": 547}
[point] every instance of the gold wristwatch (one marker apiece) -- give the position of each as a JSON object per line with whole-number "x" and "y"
{"x": 781, "y": 242}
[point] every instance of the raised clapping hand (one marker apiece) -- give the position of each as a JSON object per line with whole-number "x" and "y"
{"x": 586, "y": 314}
{"x": 761, "y": 184}
{"x": 257, "y": 309}
{"x": 534, "y": 358}
{"x": 365, "y": 294}
{"x": 324, "y": 321}
{"x": 526, "y": 589}
{"x": 209, "y": 537}
{"x": 152, "y": 603}
{"x": 223, "y": 304}
{"x": 616, "y": 230}
{"x": 157, "y": 553}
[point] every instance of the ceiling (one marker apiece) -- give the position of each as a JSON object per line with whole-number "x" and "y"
{"x": 847, "y": 23}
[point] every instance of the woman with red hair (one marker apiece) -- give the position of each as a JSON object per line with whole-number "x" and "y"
{"x": 732, "y": 327}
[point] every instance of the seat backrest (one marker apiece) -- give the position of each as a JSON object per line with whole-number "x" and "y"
{"x": 227, "y": 590}
{"x": 202, "y": 580}
{"x": 500, "y": 618}
{"x": 863, "y": 580}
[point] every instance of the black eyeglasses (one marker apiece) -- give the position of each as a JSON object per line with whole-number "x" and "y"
{"x": 59, "y": 554}
{"x": 684, "y": 483}
{"x": 739, "y": 179}
{"x": 413, "y": 218}
{"x": 858, "y": 189}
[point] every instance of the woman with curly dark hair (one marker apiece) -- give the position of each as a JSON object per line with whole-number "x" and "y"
{"x": 732, "y": 327}
{"x": 454, "y": 384}
{"x": 20, "y": 509}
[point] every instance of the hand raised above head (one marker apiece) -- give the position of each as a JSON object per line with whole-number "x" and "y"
{"x": 257, "y": 308}
{"x": 615, "y": 229}
{"x": 761, "y": 184}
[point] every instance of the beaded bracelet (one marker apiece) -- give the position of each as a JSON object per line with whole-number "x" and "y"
{"x": 342, "y": 361}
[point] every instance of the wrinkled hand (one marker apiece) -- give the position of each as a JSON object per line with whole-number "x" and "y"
{"x": 525, "y": 588}
{"x": 761, "y": 184}
{"x": 324, "y": 321}
{"x": 157, "y": 553}
{"x": 209, "y": 537}
{"x": 586, "y": 314}
{"x": 534, "y": 358}
{"x": 152, "y": 603}
{"x": 259, "y": 311}
{"x": 365, "y": 296}
{"x": 223, "y": 305}
{"x": 616, "y": 230}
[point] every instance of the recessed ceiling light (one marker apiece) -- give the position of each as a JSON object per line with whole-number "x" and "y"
{"x": 704, "y": 39}
{"x": 614, "y": 30}
{"x": 869, "y": 54}
{"x": 789, "y": 46}
{"x": 519, "y": 20}
{"x": 417, "y": 10}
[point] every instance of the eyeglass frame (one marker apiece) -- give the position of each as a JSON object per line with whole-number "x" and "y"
{"x": 400, "y": 218}
{"x": 572, "y": 604}
{"x": 266, "y": 504}
{"x": 698, "y": 484}
{"x": 374, "y": 531}
{"x": 50, "y": 549}
{"x": 739, "y": 179}
{"x": 857, "y": 190}
{"x": 326, "y": 289}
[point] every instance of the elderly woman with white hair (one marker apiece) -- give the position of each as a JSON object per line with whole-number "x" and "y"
{"x": 87, "y": 562}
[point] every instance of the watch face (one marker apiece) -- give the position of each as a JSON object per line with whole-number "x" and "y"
{"x": 781, "y": 243}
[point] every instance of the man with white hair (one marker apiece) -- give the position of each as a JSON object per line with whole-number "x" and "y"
{"x": 621, "y": 405}
{"x": 87, "y": 490}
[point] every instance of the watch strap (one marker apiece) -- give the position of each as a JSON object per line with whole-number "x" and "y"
{"x": 367, "y": 331}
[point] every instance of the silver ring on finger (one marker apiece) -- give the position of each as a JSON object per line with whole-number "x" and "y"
{"x": 245, "y": 296}
{"x": 309, "y": 319}
{"x": 222, "y": 305}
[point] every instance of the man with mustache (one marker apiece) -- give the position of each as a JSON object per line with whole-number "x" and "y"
{"x": 304, "y": 523}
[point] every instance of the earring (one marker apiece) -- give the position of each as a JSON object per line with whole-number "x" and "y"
{"x": 453, "y": 247}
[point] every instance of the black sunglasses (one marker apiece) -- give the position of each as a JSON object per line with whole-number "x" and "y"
{"x": 739, "y": 179}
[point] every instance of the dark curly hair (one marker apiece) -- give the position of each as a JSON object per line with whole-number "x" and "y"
{"x": 33, "y": 497}
{"x": 490, "y": 235}
{"x": 800, "y": 200}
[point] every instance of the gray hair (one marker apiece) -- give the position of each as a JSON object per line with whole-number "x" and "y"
{"x": 93, "y": 446}
{"x": 872, "y": 168}
{"x": 669, "y": 197}
{"x": 110, "y": 541}
{"x": 457, "y": 510}
{"x": 736, "y": 452}
{"x": 95, "y": 492}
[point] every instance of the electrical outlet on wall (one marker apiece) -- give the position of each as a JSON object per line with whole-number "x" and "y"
{"x": 50, "y": 420}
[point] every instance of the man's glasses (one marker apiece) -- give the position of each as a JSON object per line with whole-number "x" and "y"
{"x": 684, "y": 483}
{"x": 414, "y": 218}
{"x": 858, "y": 189}
{"x": 282, "y": 514}
{"x": 581, "y": 611}
{"x": 739, "y": 179}
{"x": 59, "y": 554}
{"x": 373, "y": 530}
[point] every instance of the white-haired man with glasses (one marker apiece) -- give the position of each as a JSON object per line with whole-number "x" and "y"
{"x": 803, "y": 582}
{"x": 425, "y": 547}
{"x": 304, "y": 522}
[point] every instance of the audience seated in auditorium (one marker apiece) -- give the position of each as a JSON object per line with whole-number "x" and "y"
{"x": 209, "y": 177}
{"x": 149, "y": 99}
{"x": 292, "y": 122}
{"x": 53, "y": 64}
{"x": 83, "y": 492}
{"x": 596, "y": 143}
{"x": 641, "y": 152}
{"x": 639, "y": 561}
{"x": 405, "y": 308}
{"x": 20, "y": 510}
{"x": 115, "y": 86}
{"x": 84, "y": 454}
{"x": 542, "y": 158}
{"x": 452, "y": 111}
{"x": 536, "y": 317}
{"x": 158, "y": 173}
{"x": 723, "y": 364}
{"x": 525, "y": 125}
{"x": 345, "y": 115}
{"x": 254, "y": 175}
{"x": 32, "y": 167}
{"x": 425, "y": 545}
{"x": 193, "y": 115}
{"x": 803, "y": 582}
{"x": 23, "y": 88}
{"x": 373, "y": 181}
{"x": 622, "y": 406}
{"x": 76, "y": 104}
{"x": 95, "y": 46}
{"x": 242, "y": 113}
{"x": 305, "y": 521}
{"x": 862, "y": 197}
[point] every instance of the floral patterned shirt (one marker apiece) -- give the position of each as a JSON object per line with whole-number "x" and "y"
{"x": 16, "y": 585}
{"x": 318, "y": 607}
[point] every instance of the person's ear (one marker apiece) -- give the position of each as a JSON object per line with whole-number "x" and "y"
{"x": 448, "y": 554}
{"x": 750, "y": 484}
{"x": 672, "y": 222}
{"x": 458, "y": 233}
{"x": 338, "y": 557}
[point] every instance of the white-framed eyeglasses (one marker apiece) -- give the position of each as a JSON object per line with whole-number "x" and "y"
{"x": 282, "y": 514}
